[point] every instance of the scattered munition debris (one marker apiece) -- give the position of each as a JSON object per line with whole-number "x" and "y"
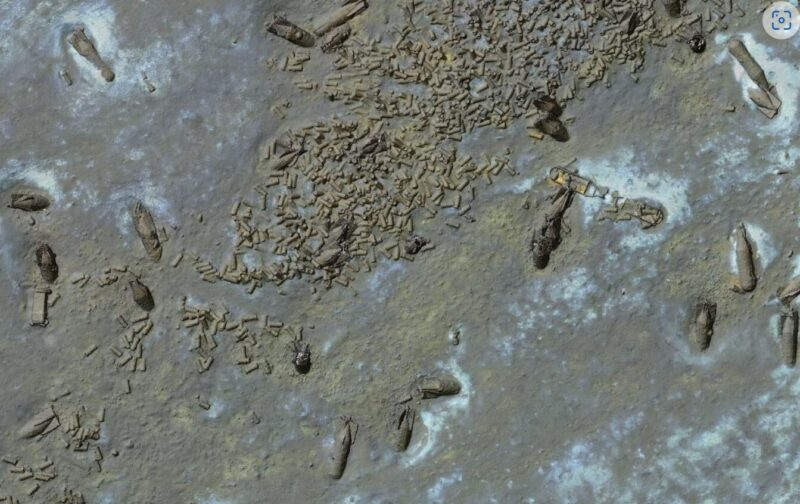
{"x": 764, "y": 96}
{"x": 548, "y": 105}
{"x": 788, "y": 337}
{"x": 41, "y": 424}
{"x": 335, "y": 38}
{"x": 29, "y": 202}
{"x": 552, "y": 126}
{"x": 648, "y": 214}
{"x": 85, "y": 48}
{"x": 431, "y": 387}
{"x": 744, "y": 262}
{"x": 339, "y": 16}
{"x": 38, "y": 309}
{"x": 402, "y": 427}
{"x": 146, "y": 229}
{"x": 46, "y": 261}
{"x": 344, "y": 439}
{"x": 141, "y": 295}
{"x": 560, "y": 175}
{"x": 289, "y": 31}
{"x": 705, "y": 313}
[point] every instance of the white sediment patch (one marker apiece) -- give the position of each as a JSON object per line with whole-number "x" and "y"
{"x": 436, "y": 492}
{"x": 440, "y": 414}
{"x": 151, "y": 195}
{"x": 380, "y": 283}
{"x": 217, "y": 407}
{"x": 37, "y": 174}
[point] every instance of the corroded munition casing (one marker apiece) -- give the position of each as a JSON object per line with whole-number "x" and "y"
{"x": 146, "y": 229}
{"x": 335, "y": 38}
{"x": 744, "y": 261}
{"x": 290, "y": 31}
{"x": 436, "y": 386}
{"x": 547, "y": 104}
{"x": 341, "y": 448}
{"x": 790, "y": 291}
{"x": 673, "y": 7}
{"x": 85, "y": 48}
{"x": 552, "y": 126}
{"x": 750, "y": 65}
{"x": 46, "y": 260}
{"x": 141, "y": 295}
{"x": 39, "y": 423}
{"x": 789, "y": 338}
{"x": 403, "y": 426}
{"x": 29, "y": 202}
{"x": 541, "y": 246}
{"x": 339, "y": 16}
{"x": 703, "y": 323}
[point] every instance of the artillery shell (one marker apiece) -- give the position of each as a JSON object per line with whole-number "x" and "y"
{"x": 402, "y": 428}
{"x": 78, "y": 40}
{"x": 146, "y": 229}
{"x": 335, "y": 38}
{"x": 46, "y": 261}
{"x": 339, "y": 16}
{"x": 744, "y": 261}
{"x": 141, "y": 295}
{"x": 28, "y": 202}
{"x": 552, "y": 126}
{"x": 789, "y": 338}
{"x": 705, "y": 313}
{"x": 750, "y": 65}
{"x": 547, "y": 104}
{"x": 431, "y": 387}
{"x": 790, "y": 291}
{"x": 341, "y": 448}
{"x": 40, "y": 424}
{"x": 290, "y": 31}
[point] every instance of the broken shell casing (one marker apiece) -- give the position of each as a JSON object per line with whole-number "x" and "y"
{"x": 335, "y": 38}
{"x": 750, "y": 65}
{"x": 141, "y": 295}
{"x": 703, "y": 323}
{"x": 744, "y": 261}
{"x": 146, "y": 229}
{"x": 28, "y": 202}
{"x": 46, "y": 261}
{"x": 432, "y": 387}
{"x": 552, "y": 126}
{"x": 403, "y": 427}
{"x": 341, "y": 449}
{"x": 339, "y": 16}
{"x": 790, "y": 291}
{"x": 39, "y": 424}
{"x": 287, "y": 30}
{"x": 788, "y": 329}
{"x": 85, "y": 48}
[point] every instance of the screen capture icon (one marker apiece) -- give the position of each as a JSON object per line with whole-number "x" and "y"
{"x": 781, "y": 20}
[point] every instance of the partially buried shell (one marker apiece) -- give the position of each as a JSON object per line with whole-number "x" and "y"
{"x": 42, "y": 423}
{"x": 547, "y": 104}
{"x": 744, "y": 261}
{"x": 339, "y": 16}
{"x": 790, "y": 291}
{"x": 789, "y": 338}
{"x": 345, "y": 437}
{"x": 141, "y": 295}
{"x": 430, "y": 387}
{"x": 335, "y": 38}
{"x": 29, "y": 202}
{"x": 402, "y": 427}
{"x": 287, "y": 30}
{"x": 46, "y": 261}
{"x": 705, "y": 312}
{"x": 146, "y": 229}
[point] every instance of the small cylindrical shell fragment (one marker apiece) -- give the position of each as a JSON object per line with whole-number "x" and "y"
{"x": 46, "y": 261}
{"x": 705, "y": 313}
{"x": 41, "y": 423}
{"x": 402, "y": 427}
{"x": 749, "y": 63}
{"x": 790, "y": 291}
{"x": 335, "y": 38}
{"x": 141, "y": 295}
{"x": 789, "y": 338}
{"x": 29, "y": 202}
{"x": 431, "y": 387}
{"x": 552, "y": 126}
{"x": 339, "y": 16}
{"x": 341, "y": 448}
{"x": 287, "y": 30}
{"x": 744, "y": 261}
{"x": 146, "y": 229}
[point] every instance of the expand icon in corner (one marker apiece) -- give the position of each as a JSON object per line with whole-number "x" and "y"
{"x": 781, "y": 20}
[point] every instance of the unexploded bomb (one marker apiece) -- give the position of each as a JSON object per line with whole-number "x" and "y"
{"x": 335, "y": 38}
{"x": 42, "y": 423}
{"x": 790, "y": 291}
{"x": 430, "y": 387}
{"x": 402, "y": 427}
{"x": 547, "y": 235}
{"x": 788, "y": 335}
{"x": 85, "y": 48}
{"x": 141, "y": 295}
{"x": 345, "y": 437}
{"x": 414, "y": 244}
{"x": 552, "y": 126}
{"x": 146, "y": 229}
{"x": 749, "y": 63}
{"x": 287, "y": 30}
{"x": 46, "y": 261}
{"x": 29, "y": 202}
{"x": 301, "y": 356}
{"x": 744, "y": 261}
{"x": 705, "y": 312}
{"x": 339, "y": 16}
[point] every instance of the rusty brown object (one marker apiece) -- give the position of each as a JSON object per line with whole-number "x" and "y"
{"x": 46, "y": 261}
{"x": 141, "y": 295}
{"x": 146, "y": 229}
{"x": 287, "y": 30}
{"x": 81, "y": 43}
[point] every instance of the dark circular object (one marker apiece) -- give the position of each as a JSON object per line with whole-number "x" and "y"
{"x": 697, "y": 43}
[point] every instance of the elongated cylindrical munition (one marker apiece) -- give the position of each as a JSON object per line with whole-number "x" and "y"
{"x": 339, "y": 16}
{"x": 402, "y": 428}
{"x": 43, "y": 422}
{"x": 141, "y": 295}
{"x": 789, "y": 338}
{"x": 750, "y": 65}
{"x": 335, "y": 38}
{"x": 341, "y": 448}
{"x": 287, "y": 30}
{"x": 29, "y": 202}
{"x": 85, "y": 48}
{"x": 46, "y": 261}
{"x": 673, "y": 7}
{"x": 705, "y": 312}
{"x": 744, "y": 261}
{"x": 547, "y": 104}
{"x": 431, "y": 387}
{"x": 790, "y": 291}
{"x": 146, "y": 229}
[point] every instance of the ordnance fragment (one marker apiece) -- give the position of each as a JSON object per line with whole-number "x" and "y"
{"x": 141, "y": 295}
{"x": 788, "y": 334}
{"x": 705, "y": 313}
{"x": 414, "y": 244}
{"x": 402, "y": 428}
{"x": 289, "y": 31}
{"x": 339, "y": 16}
{"x": 744, "y": 262}
{"x": 581, "y": 185}
{"x": 344, "y": 439}
{"x": 146, "y": 229}
{"x": 790, "y": 291}
{"x": 547, "y": 235}
{"x": 85, "y": 48}
{"x": 29, "y": 202}
{"x": 552, "y": 126}
{"x": 547, "y": 104}
{"x": 764, "y": 97}
{"x": 41, "y": 424}
{"x": 335, "y": 38}
{"x": 38, "y": 309}
{"x": 46, "y": 261}
{"x": 431, "y": 387}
